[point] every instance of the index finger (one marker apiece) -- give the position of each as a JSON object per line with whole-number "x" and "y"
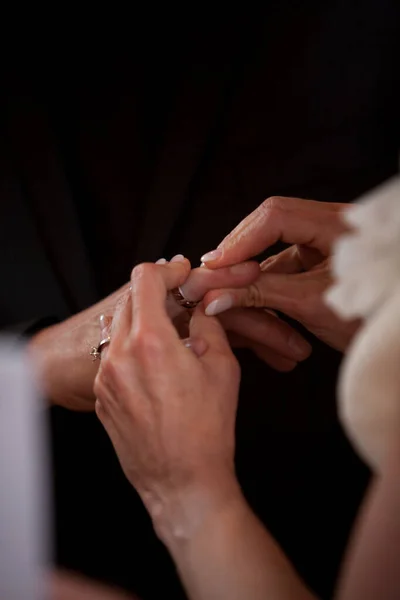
{"x": 150, "y": 285}
{"x": 290, "y": 220}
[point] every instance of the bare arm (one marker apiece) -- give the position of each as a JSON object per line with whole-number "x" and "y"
{"x": 226, "y": 552}
{"x": 372, "y": 568}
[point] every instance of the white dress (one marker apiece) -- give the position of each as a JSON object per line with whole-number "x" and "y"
{"x": 366, "y": 267}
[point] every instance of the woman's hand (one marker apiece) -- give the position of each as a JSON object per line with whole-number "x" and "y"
{"x": 62, "y": 352}
{"x": 294, "y": 281}
{"x": 270, "y": 338}
{"x": 169, "y": 409}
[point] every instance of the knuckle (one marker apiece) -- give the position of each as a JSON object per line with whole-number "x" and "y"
{"x": 235, "y": 368}
{"x": 109, "y": 370}
{"x": 254, "y": 296}
{"x": 228, "y": 365}
{"x": 273, "y": 203}
{"x": 146, "y": 343}
{"x": 98, "y": 386}
{"x": 143, "y": 270}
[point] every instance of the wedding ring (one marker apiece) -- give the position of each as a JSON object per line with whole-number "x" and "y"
{"x": 181, "y": 300}
{"x": 95, "y": 352}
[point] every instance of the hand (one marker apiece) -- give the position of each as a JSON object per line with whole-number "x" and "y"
{"x": 270, "y": 338}
{"x": 62, "y": 355}
{"x": 62, "y": 352}
{"x": 169, "y": 410}
{"x": 70, "y": 586}
{"x": 294, "y": 281}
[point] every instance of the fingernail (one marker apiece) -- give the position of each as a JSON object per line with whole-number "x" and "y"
{"x": 219, "y": 305}
{"x": 105, "y": 323}
{"x": 203, "y": 265}
{"x": 241, "y": 268}
{"x": 300, "y": 347}
{"x": 178, "y": 258}
{"x": 213, "y": 255}
{"x": 161, "y": 261}
{"x": 185, "y": 290}
{"x": 197, "y": 345}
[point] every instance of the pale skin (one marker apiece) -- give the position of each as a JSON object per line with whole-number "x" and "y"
{"x": 62, "y": 351}
{"x": 63, "y": 585}
{"x": 170, "y": 413}
{"x": 293, "y": 281}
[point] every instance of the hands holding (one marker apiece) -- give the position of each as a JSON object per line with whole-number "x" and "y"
{"x": 294, "y": 281}
{"x": 169, "y": 409}
{"x": 62, "y": 351}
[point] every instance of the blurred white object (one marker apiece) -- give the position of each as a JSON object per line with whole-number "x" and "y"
{"x": 366, "y": 262}
{"x": 366, "y": 267}
{"x": 24, "y": 491}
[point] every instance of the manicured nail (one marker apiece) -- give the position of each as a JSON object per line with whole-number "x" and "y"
{"x": 197, "y": 345}
{"x": 300, "y": 347}
{"x": 178, "y": 258}
{"x": 219, "y": 305}
{"x": 105, "y": 324}
{"x": 213, "y": 255}
{"x": 161, "y": 261}
{"x": 203, "y": 265}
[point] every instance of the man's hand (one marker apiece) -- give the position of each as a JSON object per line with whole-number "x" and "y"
{"x": 294, "y": 281}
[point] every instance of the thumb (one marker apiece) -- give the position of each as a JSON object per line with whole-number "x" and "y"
{"x": 212, "y": 332}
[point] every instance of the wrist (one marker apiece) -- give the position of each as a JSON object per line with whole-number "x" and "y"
{"x": 179, "y": 515}
{"x": 41, "y": 358}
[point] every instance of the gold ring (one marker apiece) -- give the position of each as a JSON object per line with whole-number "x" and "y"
{"x": 95, "y": 352}
{"x": 181, "y": 300}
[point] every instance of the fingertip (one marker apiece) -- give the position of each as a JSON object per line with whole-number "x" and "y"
{"x": 177, "y": 258}
{"x": 211, "y": 257}
{"x": 219, "y": 305}
{"x": 198, "y": 345}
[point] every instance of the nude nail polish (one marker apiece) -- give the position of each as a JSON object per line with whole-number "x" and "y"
{"x": 221, "y": 304}
{"x": 210, "y": 256}
{"x": 178, "y": 258}
{"x": 161, "y": 261}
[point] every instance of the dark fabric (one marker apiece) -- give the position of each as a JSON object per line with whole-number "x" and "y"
{"x": 160, "y": 142}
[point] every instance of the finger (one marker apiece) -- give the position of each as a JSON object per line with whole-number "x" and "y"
{"x": 117, "y": 327}
{"x": 197, "y": 345}
{"x": 105, "y": 326}
{"x": 263, "y": 329}
{"x": 201, "y": 280}
{"x": 292, "y": 260}
{"x": 288, "y": 261}
{"x": 277, "y": 362}
{"x": 294, "y": 295}
{"x": 290, "y": 220}
{"x": 150, "y": 285}
{"x": 212, "y": 332}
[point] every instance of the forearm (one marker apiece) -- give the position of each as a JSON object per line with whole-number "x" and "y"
{"x": 371, "y": 568}
{"x": 222, "y": 551}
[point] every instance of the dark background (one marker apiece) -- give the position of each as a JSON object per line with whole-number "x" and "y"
{"x": 128, "y": 137}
